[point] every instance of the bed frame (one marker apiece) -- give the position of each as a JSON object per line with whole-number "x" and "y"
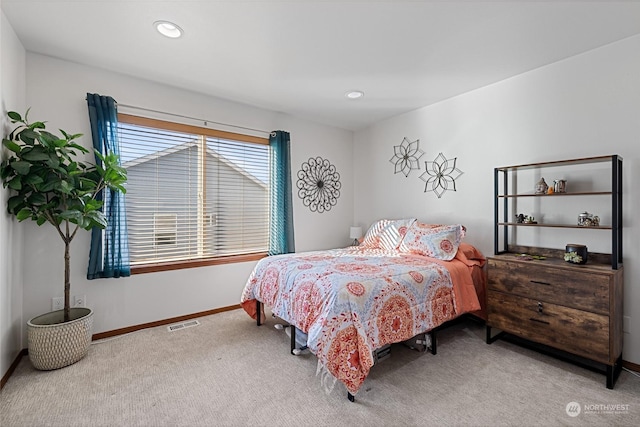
{"x": 384, "y": 351}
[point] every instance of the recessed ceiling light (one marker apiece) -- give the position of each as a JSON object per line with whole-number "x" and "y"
{"x": 354, "y": 94}
{"x": 168, "y": 29}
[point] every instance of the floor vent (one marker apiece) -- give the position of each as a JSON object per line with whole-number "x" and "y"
{"x": 178, "y": 326}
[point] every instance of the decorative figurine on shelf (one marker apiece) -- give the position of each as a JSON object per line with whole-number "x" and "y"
{"x": 560, "y": 185}
{"x": 520, "y": 218}
{"x": 541, "y": 187}
{"x": 585, "y": 219}
{"x": 530, "y": 220}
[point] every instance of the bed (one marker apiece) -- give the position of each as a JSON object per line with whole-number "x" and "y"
{"x": 405, "y": 279}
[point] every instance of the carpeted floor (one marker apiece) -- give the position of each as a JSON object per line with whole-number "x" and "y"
{"x": 228, "y": 372}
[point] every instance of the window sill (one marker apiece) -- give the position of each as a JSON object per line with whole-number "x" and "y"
{"x": 179, "y": 265}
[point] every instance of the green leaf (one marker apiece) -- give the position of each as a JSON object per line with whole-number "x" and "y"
{"x": 79, "y": 147}
{"x": 5, "y": 170}
{"x": 16, "y": 183}
{"x": 23, "y": 214}
{"x": 14, "y": 204}
{"x": 118, "y": 187}
{"x": 28, "y": 136}
{"x": 11, "y": 145}
{"x": 41, "y": 220}
{"x": 33, "y": 179}
{"x": 37, "y": 154}
{"x": 47, "y": 138}
{"x": 21, "y": 167}
{"x": 87, "y": 184}
{"x": 53, "y": 161}
{"x": 97, "y": 219}
{"x": 48, "y": 185}
{"x": 65, "y": 187}
{"x": 71, "y": 215}
{"x": 37, "y": 125}
{"x": 85, "y": 223}
{"x": 93, "y": 205}
{"x": 14, "y": 116}
{"x": 37, "y": 199}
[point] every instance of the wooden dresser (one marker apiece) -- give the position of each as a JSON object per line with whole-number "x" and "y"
{"x": 573, "y": 308}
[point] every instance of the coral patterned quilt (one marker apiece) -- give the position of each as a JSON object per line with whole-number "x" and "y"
{"x": 353, "y": 301}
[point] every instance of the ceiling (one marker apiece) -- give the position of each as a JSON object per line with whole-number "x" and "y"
{"x": 301, "y": 57}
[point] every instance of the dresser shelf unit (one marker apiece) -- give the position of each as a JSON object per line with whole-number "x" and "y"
{"x": 502, "y": 174}
{"x": 574, "y": 310}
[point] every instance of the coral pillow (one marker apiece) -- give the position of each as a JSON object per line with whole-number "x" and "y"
{"x": 436, "y": 241}
{"x": 387, "y": 233}
{"x": 471, "y": 252}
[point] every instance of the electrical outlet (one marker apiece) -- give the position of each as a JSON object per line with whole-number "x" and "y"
{"x": 625, "y": 324}
{"x": 80, "y": 301}
{"x": 57, "y": 303}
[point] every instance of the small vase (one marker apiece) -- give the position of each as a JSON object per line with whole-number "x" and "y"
{"x": 576, "y": 254}
{"x": 560, "y": 186}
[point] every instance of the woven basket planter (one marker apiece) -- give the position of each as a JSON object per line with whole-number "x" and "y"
{"x": 54, "y": 344}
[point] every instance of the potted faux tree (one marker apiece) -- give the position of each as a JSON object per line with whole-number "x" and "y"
{"x": 50, "y": 185}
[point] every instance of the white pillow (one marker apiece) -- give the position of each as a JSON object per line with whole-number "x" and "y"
{"x": 387, "y": 233}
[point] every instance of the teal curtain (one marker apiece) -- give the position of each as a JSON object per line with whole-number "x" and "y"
{"x": 109, "y": 252}
{"x": 281, "y": 239}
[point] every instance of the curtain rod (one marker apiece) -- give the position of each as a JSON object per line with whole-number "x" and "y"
{"x": 206, "y": 122}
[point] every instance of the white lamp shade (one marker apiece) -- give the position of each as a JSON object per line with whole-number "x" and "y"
{"x": 355, "y": 232}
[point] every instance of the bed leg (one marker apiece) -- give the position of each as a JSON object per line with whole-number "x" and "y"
{"x": 293, "y": 339}
{"x": 258, "y": 308}
{"x": 351, "y": 397}
{"x": 434, "y": 347}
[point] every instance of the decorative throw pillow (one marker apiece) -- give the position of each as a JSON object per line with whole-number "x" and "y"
{"x": 371, "y": 237}
{"x": 471, "y": 252}
{"x": 386, "y": 233}
{"x": 435, "y": 241}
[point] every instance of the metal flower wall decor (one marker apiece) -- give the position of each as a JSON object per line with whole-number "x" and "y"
{"x": 441, "y": 175}
{"x": 406, "y": 155}
{"x": 318, "y": 184}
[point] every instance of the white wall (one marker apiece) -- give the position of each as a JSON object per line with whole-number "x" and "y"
{"x": 583, "y": 106}
{"x": 12, "y": 96}
{"x": 56, "y": 92}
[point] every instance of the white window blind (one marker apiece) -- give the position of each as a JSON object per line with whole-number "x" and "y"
{"x": 192, "y": 195}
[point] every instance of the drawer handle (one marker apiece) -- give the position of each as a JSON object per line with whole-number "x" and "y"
{"x": 539, "y": 321}
{"x": 540, "y": 283}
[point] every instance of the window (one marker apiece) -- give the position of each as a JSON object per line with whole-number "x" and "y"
{"x": 195, "y": 196}
{"x": 165, "y": 229}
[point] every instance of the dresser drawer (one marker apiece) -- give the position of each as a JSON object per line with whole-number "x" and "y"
{"x": 571, "y": 287}
{"x": 579, "y": 332}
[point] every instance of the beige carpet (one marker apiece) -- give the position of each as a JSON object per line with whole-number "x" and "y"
{"x": 227, "y": 371}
